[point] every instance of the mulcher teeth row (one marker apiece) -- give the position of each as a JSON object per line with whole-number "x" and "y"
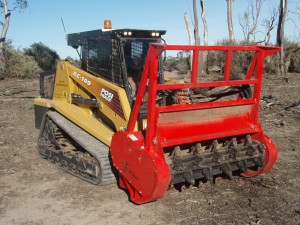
{"x": 215, "y": 159}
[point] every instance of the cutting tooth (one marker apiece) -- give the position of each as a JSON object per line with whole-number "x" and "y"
{"x": 233, "y": 153}
{"x": 233, "y": 147}
{"x": 233, "y": 143}
{"x": 207, "y": 175}
{"x": 193, "y": 150}
{"x": 183, "y": 187}
{"x": 188, "y": 176}
{"x": 258, "y": 162}
{"x": 251, "y": 150}
{"x": 248, "y": 140}
{"x": 261, "y": 148}
{"x": 216, "y": 157}
{"x": 199, "y": 148}
{"x": 176, "y": 151}
{"x": 242, "y": 166}
{"x": 227, "y": 170}
{"x": 172, "y": 188}
{"x": 214, "y": 145}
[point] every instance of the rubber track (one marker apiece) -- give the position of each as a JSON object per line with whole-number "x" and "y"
{"x": 90, "y": 144}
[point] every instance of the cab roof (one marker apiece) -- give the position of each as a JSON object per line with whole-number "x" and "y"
{"x": 77, "y": 39}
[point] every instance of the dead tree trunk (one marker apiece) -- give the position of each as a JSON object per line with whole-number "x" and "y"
{"x": 197, "y": 37}
{"x": 205, "y": 35}
{"x": 5, "y": 26}
{"x": 280, "y": 33}
{"x": 196, "y": 26}
{"x": 188, "y": 27}
{"x": 229, "y": 20}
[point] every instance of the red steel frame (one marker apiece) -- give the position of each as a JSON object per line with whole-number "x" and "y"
{"x": 150, "y": 147}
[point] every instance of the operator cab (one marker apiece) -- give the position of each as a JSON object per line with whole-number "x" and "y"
{"x": 117, "y": 56}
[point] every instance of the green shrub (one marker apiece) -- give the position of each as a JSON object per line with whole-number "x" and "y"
{"x": 292, "y": 56}
{"x": 241, "y": 60}
{"x": 180, "y": 63}
{"x": 15, "y": 63}
{"x": 43, "y": 55}
{"x": 294, "y": 66}
{"x": 272, "y": 64}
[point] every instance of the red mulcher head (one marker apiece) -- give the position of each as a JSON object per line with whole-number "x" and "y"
{"x": 221, "y": 136}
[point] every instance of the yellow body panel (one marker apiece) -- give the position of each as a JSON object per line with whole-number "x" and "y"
{"x": 114, "y": 109}
{"x": 80, "y": 118}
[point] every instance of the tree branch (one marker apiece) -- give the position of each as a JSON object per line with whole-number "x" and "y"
{"x": 250, "y": 19}
{"x": 270, "y": 24}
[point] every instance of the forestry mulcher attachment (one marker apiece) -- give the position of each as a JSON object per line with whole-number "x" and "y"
{"x": 118, "y": 116}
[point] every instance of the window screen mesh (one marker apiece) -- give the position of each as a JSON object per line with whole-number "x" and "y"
{"x": 135, "y": 56}
{"x": 103, "y": 59}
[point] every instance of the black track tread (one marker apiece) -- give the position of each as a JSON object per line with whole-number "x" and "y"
{"x": 92, "y": 145}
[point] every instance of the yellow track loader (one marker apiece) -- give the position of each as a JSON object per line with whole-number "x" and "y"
{"x": 115, "y": 117}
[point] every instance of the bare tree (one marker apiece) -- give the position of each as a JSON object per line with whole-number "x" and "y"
{"x": 196, "y": 26}
{"x": 4, "y": 9}
{"x": 204, "y": 54}
{"x": 249, "y": 21}
{"x": 205, "y": 35}
{"x": 229, "y": 20}
{"x": 197, "y": 40}
{"x": 269, "y": 24}
{"x": 280, "y": 32}
{"x": 5, "y": 25}
{"x": 295, "y": 10}
{"x": 188, "y": 27}
{"x": 197, "y": 37}
{"x": 292, "y": 15}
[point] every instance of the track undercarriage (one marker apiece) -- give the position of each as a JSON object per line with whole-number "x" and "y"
{"x": 74, "y": 150}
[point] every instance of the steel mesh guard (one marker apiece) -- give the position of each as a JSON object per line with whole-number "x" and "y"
{"x": 135, "y": 56}
{"x": 103, "y": 59}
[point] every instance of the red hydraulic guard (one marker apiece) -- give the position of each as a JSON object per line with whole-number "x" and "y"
{"x": 139, "y": 156}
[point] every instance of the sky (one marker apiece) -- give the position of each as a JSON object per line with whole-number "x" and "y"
{"x": 41, "y": 21}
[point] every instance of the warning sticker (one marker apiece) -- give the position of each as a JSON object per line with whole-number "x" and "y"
{"x": 132, "y": 137}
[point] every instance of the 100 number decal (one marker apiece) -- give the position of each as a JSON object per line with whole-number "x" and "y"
{"x": 83, "y": 79}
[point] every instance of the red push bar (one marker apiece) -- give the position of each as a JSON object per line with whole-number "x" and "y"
{"x": 253, "y": 77}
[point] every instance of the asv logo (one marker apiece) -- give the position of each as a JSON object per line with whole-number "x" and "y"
{"x": 106, "y": 95}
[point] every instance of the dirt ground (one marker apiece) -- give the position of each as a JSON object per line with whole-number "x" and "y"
{"x": 33, "y": 191}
